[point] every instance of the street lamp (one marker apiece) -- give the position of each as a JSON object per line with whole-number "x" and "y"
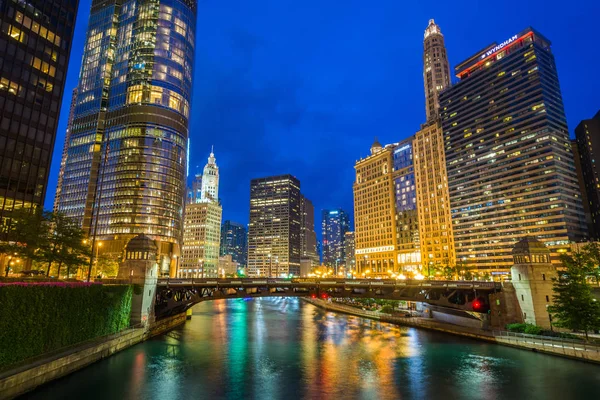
{"x": 270, "y": 266}
{"x": 549, "y": 318}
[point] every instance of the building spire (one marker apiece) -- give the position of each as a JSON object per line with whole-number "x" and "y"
{"x": 436, "y": 70}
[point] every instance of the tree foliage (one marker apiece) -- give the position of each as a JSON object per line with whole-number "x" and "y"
{"x": 45, "y": 238}
{"x": 574, "y": 305}
{"x": 108, "y": 265}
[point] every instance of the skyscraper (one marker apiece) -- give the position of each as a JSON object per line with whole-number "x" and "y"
{"x": 63, "y": 159}
{"x": 385, "y": 216}
{"x": 127, "y": 157}
{"x": 436, "y": 69}
{"x": 202, "y": 227}
{"x": 274, "y": 229}
{"x": 334, "y": 225}
{"x": 308, "y": 236}
{"x": 433, "y": 198}
{"x": 510, "y": 167}
{"x": 408, "y": 256}
{"x": 234, "y": 241}
{"x": 587, "y": 136}
{"x": 35, "y": 44}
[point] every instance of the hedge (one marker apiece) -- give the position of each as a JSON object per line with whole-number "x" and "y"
{"x": 36, "y": 319}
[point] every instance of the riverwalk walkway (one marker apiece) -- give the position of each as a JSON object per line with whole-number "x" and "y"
{"x": 576, "y": 349}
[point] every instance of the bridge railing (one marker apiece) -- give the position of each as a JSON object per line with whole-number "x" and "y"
{"x": 333, "y": 281}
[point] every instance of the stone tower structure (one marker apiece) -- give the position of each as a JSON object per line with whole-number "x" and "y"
{"x": 532, "y": 275}
{"x": 210, "y": 180}
{"x": 140, "y": 266}
{"x": 436, "y": 69}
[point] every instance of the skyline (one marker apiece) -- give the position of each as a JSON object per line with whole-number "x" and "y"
{"x": 290, "y": 118}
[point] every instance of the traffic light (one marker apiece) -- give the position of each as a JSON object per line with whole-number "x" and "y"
{"x": 479, "y": 305}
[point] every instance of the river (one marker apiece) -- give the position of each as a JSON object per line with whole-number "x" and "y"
{"x": 284, "y": 348}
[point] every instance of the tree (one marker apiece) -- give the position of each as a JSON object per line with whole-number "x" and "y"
{"x": 593, "y": 249}
{"x": 65, "y": 243}
{"x": 108, "y": 264}
{"x": 22, "y": 233}
{"x": 574, "y": 305}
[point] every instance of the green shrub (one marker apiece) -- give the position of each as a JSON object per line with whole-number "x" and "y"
{"x": 387, "y": 309}
{"x": 520, "y": 328}
{"x": 531, "y": 329}
{"x": 38, "y": 319}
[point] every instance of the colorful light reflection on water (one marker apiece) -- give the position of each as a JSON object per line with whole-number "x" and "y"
{"x": 286, "y": 349}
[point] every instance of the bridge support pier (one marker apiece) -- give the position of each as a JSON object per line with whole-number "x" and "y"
{"x": 140, "y": 266}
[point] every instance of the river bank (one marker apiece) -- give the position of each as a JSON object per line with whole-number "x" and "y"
{"x": 558, "y": 347}
{"x": 40, "y": 371}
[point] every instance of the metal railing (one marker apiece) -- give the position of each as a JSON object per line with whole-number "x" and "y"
{"x": 547, "y": 341}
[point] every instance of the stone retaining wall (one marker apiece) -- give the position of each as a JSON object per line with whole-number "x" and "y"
{"x": 24, "y": 379}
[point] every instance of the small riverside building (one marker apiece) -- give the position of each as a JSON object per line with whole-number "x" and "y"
{"x": 140, "y": 267}
{"x": 532, "y": 275}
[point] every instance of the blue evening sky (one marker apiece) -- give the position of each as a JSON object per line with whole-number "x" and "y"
{"x": 303, "y": 87}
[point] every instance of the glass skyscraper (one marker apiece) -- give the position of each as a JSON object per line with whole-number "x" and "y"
{"x": 334, "y": 225}
{"x": 126, "y": 160}
{"x": 275, "y": 227}
{"x": 234, "y": 241}
{"x": 35, "y": 43}
{"x": 510, "y": 167}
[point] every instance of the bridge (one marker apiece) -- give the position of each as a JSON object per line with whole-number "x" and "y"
{"x": 177, "y": 295}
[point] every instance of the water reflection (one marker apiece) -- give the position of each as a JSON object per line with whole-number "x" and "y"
{"x": 284, "y": 348}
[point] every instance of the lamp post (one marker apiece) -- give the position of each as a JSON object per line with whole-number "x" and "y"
{"x": 549, "y": 318}
{"x": 270, "y": 266}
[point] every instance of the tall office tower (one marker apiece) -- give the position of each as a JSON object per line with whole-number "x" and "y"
{"x": 349, "y": 262}
{"x": 126, "y": 162}
{"x": 587, "y": 135}
{"x": 274, "y": 229}
{"x": 436, "y": 69}
{"x": 510, "y": 168}
{"x": 202, "y": 228}
{"x": 35, "y": 44}
{"x": 334, "y": 225}
{"x": 375, "y": 226}
{"x": 63, "y": 158}
{"x": 308, "y": 236}
{"x": 234, "y": 241}
{"x": 408, "y": 254}
{"x": 433, "y": 198}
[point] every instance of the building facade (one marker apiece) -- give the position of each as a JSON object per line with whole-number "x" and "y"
{"x": 274, "y": 228}
{"x": 350, "y": 260}
{"x": 127, "y": 156}
{"x": 407, "y": 222}
{"x": 308, "y": 236}
{"x": 436, "y": 69}
{"x": 587, "y": 137}
{"x": 63, "y": 158}
{"x": 35, "y": 44}
{"x": 433, "y": 199}
{"x": 375, "y": 213}
{"x": 510, "y": 168}
{"x": 334, "y": 225}
{"x": 228, "y": 266}
{"x": 202, "y": 228}
{"x": 234, "y": 242}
